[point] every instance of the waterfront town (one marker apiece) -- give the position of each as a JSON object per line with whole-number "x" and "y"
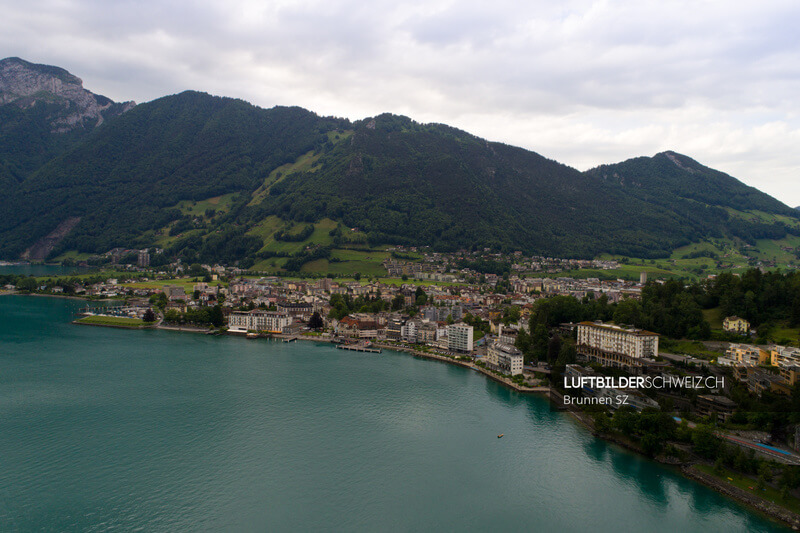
{"x": 493, "y": 323}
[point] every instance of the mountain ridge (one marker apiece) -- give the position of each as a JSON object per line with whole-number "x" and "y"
{"x": 127, "y": 181}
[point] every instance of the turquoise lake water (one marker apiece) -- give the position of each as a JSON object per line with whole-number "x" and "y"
{"x": 107, "y": 429}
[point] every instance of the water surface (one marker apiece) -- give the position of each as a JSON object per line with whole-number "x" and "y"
{"x": 164, "y": 431}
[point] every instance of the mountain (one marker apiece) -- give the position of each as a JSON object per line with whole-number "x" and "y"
{"x": 211, "y": 178}
{"x": 713, "y": 203}
{"x": 44, "y": 111}
{"x": 407, "y": 183}
{"x": 126, "y": 177}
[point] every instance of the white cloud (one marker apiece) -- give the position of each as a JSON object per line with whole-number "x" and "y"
{"x": 585, "y": 82}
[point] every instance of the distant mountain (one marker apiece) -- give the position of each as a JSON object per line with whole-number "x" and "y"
{"x": 26, "y": 85}
{"x": 44, "y": 110}
{"x": 213, "y": 178}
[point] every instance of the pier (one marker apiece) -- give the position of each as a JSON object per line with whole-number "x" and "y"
{"x": 358, "y": 348}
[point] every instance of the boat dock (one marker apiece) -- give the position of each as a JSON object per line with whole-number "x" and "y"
{"x": 290, "y": 339}
{"x": 358, "y": 348}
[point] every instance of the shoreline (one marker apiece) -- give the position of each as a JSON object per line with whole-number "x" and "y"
{"x": 760, "y": 505}
{"x": 750, "y": 501}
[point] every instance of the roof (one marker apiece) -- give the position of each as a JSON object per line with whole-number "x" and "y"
{"x": 614, "y": 327}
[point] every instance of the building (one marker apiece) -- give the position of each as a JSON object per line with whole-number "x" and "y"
{"x": 615, "y": 346}
{"x": 734, "y": 324}
{"x": 713, "y": 403}
{"x": 426, "y": 334}
{"x": 143, "y": 259}
{"x": 748, "y": 355}
{"x": 784, "y": 356}
{"x": 357, "y": 326}
{"x": 759, "y": 380}
{"x": 174, "y": 292}
{"x": 408, "y": 331}
{"x": 504, "y": 358}
{"x": 394, "y": 329}
{"x": 258, "y": 320}
{"x": 508, "y": 335}
{"x": 296, "y": 309}
{"x": 459, "y": 338}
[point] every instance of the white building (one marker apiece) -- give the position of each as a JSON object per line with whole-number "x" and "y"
{"x": 459, "y": 337}
{"x": 616, "y": 346}
{"x": 408, "y": 332}
{"x": 504, "y": 358}
{"x": 258, "y": 320}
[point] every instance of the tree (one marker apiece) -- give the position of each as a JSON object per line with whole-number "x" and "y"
{"x": 315, "y": 322}
{"x": 397, "y": 302}
{"x": 27, "y": 284}
{"x": 539, "y": 341}
{"x": 149, "y": 315}
{"x": 706, "y": 444}
{"x": 215, "y": 316}
{"x": 357, "y": 276}
{"x": 553, "y": 349}
{"x": 567, "y": 354}
{"x": 421, "y": 297}
{"x": 196, "y": 269}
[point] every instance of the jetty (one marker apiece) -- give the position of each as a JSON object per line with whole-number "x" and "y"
{"x": 358, "y": 348}
{"x": 290, "y": 339}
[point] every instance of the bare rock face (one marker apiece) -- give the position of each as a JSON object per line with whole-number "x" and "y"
{"x": 26, "y": 84}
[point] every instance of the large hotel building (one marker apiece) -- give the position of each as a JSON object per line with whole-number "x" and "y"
{"x": 616, "y": 346}
{"x": 258, "y": 320}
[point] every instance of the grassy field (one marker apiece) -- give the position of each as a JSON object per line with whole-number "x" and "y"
{"x": 187, "y": 284}
{"x": 220, "y": 204}
{"x": 267, "y": 228}
{"x": 112, "y": 321}
{"x": 424, "y": 283}
{"x": 728, "y": 255}
{"x": 273, "y": 264}
{"x": 628, "y": 272}
{"x": 84, "y": 275}
{"x": 713, "y": 317}
{"x": 164, "y": 239}
{"x": 750, "y": 485}
{"x": 350, "y": 262}
{"x": 687, "y": 347}
{"x": 75, "y": 255}
{"x": 769, "y": 250}
{"x": 783, "y": 334}
{"x": 304, "y": 163}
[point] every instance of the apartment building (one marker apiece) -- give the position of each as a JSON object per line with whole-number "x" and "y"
{"x": 616, "y": 346}
{"x": 459, "y": 338}
{"x": 504, "y": 358}
{"x": 258, "y": 320}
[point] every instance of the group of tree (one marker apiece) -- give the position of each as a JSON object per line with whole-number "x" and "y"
{"x": 344, "y": 304}
{"x": 201, "y": 316}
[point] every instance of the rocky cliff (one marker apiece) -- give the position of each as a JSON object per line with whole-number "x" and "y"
{"x": 25, "y": 84}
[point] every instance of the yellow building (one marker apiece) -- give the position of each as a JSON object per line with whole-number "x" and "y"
{"x": 747, "y": 354}
{"x": 735, "y": 324}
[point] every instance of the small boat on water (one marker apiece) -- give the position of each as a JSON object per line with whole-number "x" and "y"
{"x": 500, "y": 436}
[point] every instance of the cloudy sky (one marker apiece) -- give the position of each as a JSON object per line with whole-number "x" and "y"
{"x": 581, "y": 81}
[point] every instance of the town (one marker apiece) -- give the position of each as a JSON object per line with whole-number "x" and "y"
{"x": 721, "y": 394}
